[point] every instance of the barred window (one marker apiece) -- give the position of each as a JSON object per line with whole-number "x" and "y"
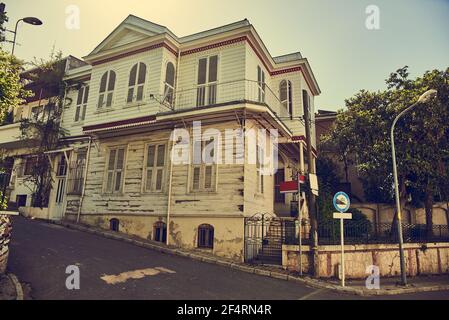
{"x": 205, "y": 236}
{"x": 76, "y": 177}
{"x": 30, "y": 164}
{"x": 160, "y": 232}
{"x": 114, "y": 224}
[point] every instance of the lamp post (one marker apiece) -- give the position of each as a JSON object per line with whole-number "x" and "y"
{"x": 425, "y": 97}
{"x": 30, "y": 20}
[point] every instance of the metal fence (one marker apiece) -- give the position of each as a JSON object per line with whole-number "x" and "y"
{"x": 238, "y": 91}
{"x": 363, "y": 232}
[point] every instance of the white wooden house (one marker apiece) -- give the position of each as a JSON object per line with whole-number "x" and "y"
{"x": 141, "y": 83}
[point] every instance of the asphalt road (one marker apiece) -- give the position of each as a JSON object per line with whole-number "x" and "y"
{"x": 40, "y": 253}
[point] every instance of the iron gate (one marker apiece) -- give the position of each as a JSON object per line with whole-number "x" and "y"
{"x": 264, "y": 236}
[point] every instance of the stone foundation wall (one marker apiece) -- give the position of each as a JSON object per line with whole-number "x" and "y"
{"x": 5, "y": 235}
{"x": 420, "y": 259}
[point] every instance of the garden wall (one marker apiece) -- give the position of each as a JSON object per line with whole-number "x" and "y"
{"x": 420, "y": 258}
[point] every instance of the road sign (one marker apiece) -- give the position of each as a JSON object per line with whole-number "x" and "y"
{"x": 341, "y": 201}
{"x": 288, "y": 187}
{"x": 342, "y": 215}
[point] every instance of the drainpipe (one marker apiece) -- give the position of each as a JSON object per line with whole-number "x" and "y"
{"x": 84, "y": 181}
{"x": 170, "y": 179}
{"x": 176, "y": 79}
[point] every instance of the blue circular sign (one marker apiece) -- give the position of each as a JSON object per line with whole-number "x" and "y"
{"x": 341, "y": 201}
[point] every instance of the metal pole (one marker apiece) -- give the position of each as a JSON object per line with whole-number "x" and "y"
{"x": 15, "y": 36}
{"x": 342, "y": 263}
{"x": 397, "y": 196}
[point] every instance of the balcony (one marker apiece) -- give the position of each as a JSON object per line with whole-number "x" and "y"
{"x": 11, "y": 137}
{"x": 225, "y": 93}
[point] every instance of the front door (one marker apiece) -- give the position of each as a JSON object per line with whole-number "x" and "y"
{"x": 61, "y": 172}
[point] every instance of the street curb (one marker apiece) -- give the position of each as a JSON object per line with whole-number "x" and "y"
{"x": 17, "y": 285}
{"x": 314, "y": 283}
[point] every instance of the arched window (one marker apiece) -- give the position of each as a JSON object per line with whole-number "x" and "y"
{"x": 205, "y": 236}
{"x": 285, "y": 94}
{"x": 136, "y": 82}
{"x": 169, "y": 83}
{"x": 107, "y": 85}
{"x": 160, "y": 232}
{"x": 114, "y": 224}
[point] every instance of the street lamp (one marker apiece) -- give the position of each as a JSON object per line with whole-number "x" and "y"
{"x": 30, "y": 20}
{"x": 425, "y": 97}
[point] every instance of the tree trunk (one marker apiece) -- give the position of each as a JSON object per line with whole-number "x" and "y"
{"x": 428, "y": 204}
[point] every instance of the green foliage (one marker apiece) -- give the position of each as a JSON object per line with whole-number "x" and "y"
{"x": 3, "y": 19}
{"x": 12, "y": 92}
{"x": 47, "y": 76}
{"x": 421, "y": 137}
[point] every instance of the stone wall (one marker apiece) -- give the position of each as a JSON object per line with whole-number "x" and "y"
{"x": 383, "y": 213}
{"x": 5, "y": 235}
{"x": 420, "y": 258}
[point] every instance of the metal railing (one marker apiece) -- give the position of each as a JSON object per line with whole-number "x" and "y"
{"x": 219, "y": 93}
{"x": 364, "y": 232}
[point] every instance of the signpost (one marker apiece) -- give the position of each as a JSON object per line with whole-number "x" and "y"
{"x": 341, "y": 203}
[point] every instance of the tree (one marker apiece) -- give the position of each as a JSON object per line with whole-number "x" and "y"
{"x": 12, "y": 92}
{"x": 3, "y": 19}
{"x": 47, "y": 81}
{"x": 421, "y": 137}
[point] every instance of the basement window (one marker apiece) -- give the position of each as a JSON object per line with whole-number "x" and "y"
{"x": 160, "y": 232}
{"x": 205, "y": 236}
{"x": 114, "y": 224}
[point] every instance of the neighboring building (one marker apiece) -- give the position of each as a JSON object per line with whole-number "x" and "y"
{"x": 18, "y": 153}
{"x": 140, "y": 84}
{"x": 350, "y": 181}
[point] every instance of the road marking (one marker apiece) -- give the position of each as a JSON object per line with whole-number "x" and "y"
{"x": 136, "y": 274}
{"x": 307, "y": 296}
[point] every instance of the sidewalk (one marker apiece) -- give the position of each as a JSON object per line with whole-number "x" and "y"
{"x": 388, "y": 286}
{"x": 10, "y": 288}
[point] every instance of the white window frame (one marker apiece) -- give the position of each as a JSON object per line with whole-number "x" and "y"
{"x": 259, "y": 169}
{"x": 202, "y": 167}
{"x": 168, "y": 88}
{"x": 80, "y": 109}
{"x": 137, "y": 85}
{"x": 154, "y": 168}
{"x": 107, "y": 92}
{"x": 207, "y": 87}
{"x": 114, "y": 171}
{"x": 288, "y": 101}
{"x": 261, "y": 84}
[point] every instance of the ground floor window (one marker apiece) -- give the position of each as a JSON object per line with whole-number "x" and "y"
{"x": 205, "y": 236}
{"x": 160, "y": 232}
{"x": 114, "y": 224}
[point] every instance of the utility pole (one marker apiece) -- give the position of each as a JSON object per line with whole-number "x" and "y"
{"x": 311, "y": 199}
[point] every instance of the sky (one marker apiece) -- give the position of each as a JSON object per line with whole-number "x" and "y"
{"x": 344, "y": 54}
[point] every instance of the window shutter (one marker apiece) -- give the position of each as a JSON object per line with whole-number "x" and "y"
{"x": 213, "y": 63}
{"x": 202, "y": 65}
{"x": 196, "y": 178}
{"x": 208, "y": 177}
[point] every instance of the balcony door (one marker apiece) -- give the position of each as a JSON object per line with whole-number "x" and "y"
{"x": 61, "y": 174}
{"x": 206, "y": 93}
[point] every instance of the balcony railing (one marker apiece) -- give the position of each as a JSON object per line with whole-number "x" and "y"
{"x": 232, "y": 92}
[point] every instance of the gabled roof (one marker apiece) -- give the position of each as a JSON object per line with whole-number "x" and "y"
{"x": 132, "y": 24}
